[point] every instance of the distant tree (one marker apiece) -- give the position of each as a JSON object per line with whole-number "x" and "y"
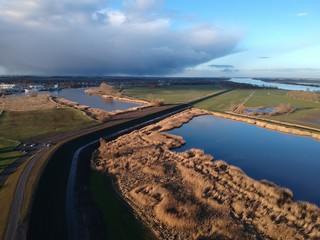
{"x": 240, "y": 109}
{"x": 304, "y": 95}
{"x": 103, "y": 116}
{"x": 106, "y": 89}
{"x": 284, "y": 108}
{"x": 33, "y": 93}
{"x": 155, "y": 101}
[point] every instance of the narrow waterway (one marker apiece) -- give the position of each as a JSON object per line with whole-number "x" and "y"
{"x": 78, "y": 95}
{"x": 287, "y": 160}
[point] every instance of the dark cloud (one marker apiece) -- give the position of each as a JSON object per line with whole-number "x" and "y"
{"x": 221, "y": 66}
{"x": 87, "y": 37}
{"x": 229, "y": 70}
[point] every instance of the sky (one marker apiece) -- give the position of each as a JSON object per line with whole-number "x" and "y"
{"x": 184, "y": 38}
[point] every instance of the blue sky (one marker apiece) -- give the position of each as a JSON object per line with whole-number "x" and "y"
{"x": 207, "y": 38}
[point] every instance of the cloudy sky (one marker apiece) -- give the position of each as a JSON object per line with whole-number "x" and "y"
{"x": 207, "y": 38}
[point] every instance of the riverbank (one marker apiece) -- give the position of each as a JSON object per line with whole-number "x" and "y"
{"x": 187, "y": 195}
{"x": 94, "y": 113}
{"x": 98, "y": 92}
{"x": 284, "y": 127}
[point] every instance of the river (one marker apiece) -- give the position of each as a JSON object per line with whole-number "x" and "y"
{"x": 283, "y": 86}
{"x": 288, "y": 160}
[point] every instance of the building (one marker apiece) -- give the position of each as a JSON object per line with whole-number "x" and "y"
{"x": 10, "y": 88}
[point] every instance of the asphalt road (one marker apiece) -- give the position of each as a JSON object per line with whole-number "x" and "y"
{"x": 75, "y": 230}
{"x": 48, "y": 215}
{"x": 12, "y": 230}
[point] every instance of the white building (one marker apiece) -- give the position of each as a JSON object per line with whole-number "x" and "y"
{"x": 6, "y": 86}
{"x": 9, "y": 88}
{"x": 36, "y": 87}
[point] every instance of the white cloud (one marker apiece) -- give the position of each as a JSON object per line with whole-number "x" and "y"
{"x": 88, "y": 37}
{"x": 302, "y": 14}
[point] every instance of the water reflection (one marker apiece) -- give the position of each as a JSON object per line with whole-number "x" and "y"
{"x": 275, "y": 85}
{"x": 78, "y": 95}
{"x": 288, "y": 160}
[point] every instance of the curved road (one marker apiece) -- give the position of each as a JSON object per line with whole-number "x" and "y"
{"x": 73, "y": 224}
{"x": 12, "y": 230}
{"x": 116, "y": 125}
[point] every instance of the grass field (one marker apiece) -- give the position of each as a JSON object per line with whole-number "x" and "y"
{"x": 307, "y": 113}
{"x": 32, "y": 125}
{"x": 172, "y": 94}
{"x": 16, "y": 127}
{"x": 271, "y": 98}
{"x": 6, "y": 196}
{"x": 225, "y": 102}
{"x": 120, "y": 223}
{"x": 7, "y": 153}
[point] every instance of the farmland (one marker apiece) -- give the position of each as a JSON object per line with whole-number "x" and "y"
{"x": 172, "y": 94}
{"x": 23, "y": 126}
{"x": 307, "y": 112}
{"x": 7, "y": 153}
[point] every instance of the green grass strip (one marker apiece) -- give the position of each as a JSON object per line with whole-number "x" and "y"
{"x": 119, "y": 220}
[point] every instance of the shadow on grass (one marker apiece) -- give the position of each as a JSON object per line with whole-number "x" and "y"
{"x": 6, "y": 149}
{"x": 118, "y": 217}
{"x": 8, "y": 158}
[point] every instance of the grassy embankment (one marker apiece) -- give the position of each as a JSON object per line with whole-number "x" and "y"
{"x": 16, "y": 127}
{"x": 120, "y": 223}
{"x": 307, "y": 113}
{"x": 20, "y": 126}
{"x": 7, "y": 154}
{"x": 172, "y": 94}
{"x": 33, "y": 125}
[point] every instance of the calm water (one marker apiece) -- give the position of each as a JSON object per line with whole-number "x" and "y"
{"x": 287, "y": 160}
{"x": 78, "y": 95}
{"x": 259, "y": 110}
{"x": 275, "y": 85}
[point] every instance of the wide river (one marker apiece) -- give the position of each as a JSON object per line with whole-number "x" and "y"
{"x": 287, "y": 160}
{"x": 283, "y": 86}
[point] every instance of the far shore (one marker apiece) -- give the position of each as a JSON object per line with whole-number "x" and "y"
{"x": 270, "y": 124}
{"x": 97, "y": 92}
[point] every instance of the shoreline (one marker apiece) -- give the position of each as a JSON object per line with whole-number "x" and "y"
{"x": 124, "y": 98}
{"x": 94, "y": 113}
{"x": 270, "y": 124}
{"x": 169, "y": 190}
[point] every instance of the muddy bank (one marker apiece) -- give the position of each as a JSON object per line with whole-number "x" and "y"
{"x": 189, "y": 195}
{"x": 272, "y": 125}
{"x": 99, "y": 92}
{"x": 127, "y": 99}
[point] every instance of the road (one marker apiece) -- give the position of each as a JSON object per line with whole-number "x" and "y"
{"x": 75, "y": 230}
{"x": 11, "y": 230}
{"x": 52, "y": 204}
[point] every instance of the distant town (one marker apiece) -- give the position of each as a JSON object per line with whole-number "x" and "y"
{"x": 18, "y": 84}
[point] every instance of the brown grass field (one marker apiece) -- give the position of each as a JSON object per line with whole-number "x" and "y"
{"x": 189, "y": 195}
